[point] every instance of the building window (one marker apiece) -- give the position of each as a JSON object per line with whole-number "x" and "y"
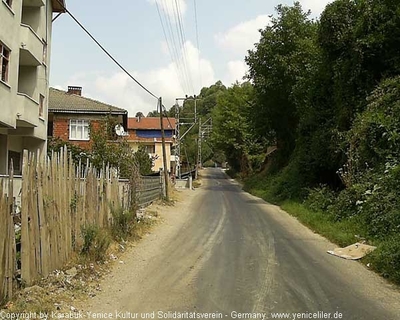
{"x": 50, "y": 126}
{"x": 16, "y": 161}
{"x": 78, "y": 129}
{"x": 41, "y": 105}
{"x": 149, "y": 148}
{"x": 4, "y": 62}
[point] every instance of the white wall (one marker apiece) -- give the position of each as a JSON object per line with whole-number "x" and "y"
{"x": 32, "y": 81}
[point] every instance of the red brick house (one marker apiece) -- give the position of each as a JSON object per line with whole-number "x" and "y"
{"x": 71, "y": 115}
{"x": 147, "y": 132}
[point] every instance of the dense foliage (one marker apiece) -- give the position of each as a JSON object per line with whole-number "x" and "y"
{"x": 107, "y": 148}
{"x": 326, "y": 92}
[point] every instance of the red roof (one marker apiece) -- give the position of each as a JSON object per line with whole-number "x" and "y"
{"x": 150, "y": 123}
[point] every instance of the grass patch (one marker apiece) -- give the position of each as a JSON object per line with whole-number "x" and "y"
{"x": 343, "y": 233}
{"x": 95, "y": 242}
{"x": 123, "y": 223}
{"x": 342, "y": 230}
{"x": 386, "y": 259}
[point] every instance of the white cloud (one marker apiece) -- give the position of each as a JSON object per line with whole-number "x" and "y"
{"x": 236, "y": 71}
{"x": 243, "y": 36}
{"x": 316, "y": 6}
{"x": 171, "y": 7}
{"x": 121, "y": 91}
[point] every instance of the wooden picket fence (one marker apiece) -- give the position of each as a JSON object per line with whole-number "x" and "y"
{"x": 57, "y": 199}
{"x": 7, "y": 239}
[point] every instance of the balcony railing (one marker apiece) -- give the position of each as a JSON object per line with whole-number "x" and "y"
{"x": 31, "y": 53}
{"x": 27, "y": 110}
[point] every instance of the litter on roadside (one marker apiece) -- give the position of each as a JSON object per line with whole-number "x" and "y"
{"x": 353, "y": 252}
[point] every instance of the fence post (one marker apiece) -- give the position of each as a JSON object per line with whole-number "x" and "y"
{"x": 10, "y": 241}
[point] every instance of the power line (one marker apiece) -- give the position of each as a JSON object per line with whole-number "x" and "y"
{"x": 166, "y": 115}
{"x": 175, "y": 40}
{"x": 184, "y": 41}
{"x": 177, "y": 51}
{"x": 105, "y": 51}
{"x": 176, "y": 67}
{"x": 167, "y": 13}
{"x": 197, "y": 41}
{"x": 181, "y": 35}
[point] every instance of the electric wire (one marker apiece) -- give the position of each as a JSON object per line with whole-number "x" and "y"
{"x": 105, "y": 51}
{"x": 178, "y": 51}
{"x": 185, "y": 47}
{"x": 176, "y": 67}
{"x": 174, "y": 40}
{"x": 182, "y": 38}
{"x": 197, "y": 42}
{"x": 166, "y": 115}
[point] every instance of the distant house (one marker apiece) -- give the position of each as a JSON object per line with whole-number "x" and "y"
{"x": 147, "y": 133}
{"x": 71, "y": 115}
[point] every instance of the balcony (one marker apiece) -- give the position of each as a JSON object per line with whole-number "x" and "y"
{"x": 27, "y": 111}
{"x": 31, "y": 52}
{"x": 32, "y": 3}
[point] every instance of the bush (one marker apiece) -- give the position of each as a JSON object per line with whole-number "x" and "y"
{"x": 381, "y": 207}
{"x": 95, "y": 242}
{"x": 209, "y": 164}
{"x": 346, "y": 204}
{"x": 386, "y": 259}
{"x": 123, "y": 223}
{"x": 320, "y": 199}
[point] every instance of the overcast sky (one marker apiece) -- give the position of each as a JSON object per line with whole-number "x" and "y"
{"x": 132, "y": 32}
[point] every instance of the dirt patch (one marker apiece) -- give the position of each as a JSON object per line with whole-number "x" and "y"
{"x": 67, "y": 290}
{"x": 137, "y": 258}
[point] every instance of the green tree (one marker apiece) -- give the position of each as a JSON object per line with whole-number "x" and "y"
{"x": 153, "y": 113}
{"x": 206, "y": 102}
{"x": 232, "y": 131}
{"x": 279, "y": 67}
{"x": 107, "y": 148}
{"x": 357, "y": 41}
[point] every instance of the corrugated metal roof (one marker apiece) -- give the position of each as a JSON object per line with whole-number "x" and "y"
{"x": 62, "y": 102}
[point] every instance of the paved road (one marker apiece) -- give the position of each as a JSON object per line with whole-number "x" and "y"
{"x": 237, "y": 253}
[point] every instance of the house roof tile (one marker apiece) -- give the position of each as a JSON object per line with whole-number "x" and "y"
{"x": 62, "y": 102}
{"x": 150, "y": 123}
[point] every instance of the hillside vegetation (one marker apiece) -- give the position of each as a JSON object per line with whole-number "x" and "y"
{"x": 326, "y": 92}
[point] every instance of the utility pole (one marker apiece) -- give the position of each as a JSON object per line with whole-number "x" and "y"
{"x": 199, "y": 139}
{"x": 205, "y": 129}
{"x": 195, "y": 109}
{"x": 166, "y": 178}
{"x": 177, "y": 142}
{"x": 192, "y": 122}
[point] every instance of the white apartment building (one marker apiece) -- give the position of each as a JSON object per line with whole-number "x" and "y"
{"x": 25, "y": 38}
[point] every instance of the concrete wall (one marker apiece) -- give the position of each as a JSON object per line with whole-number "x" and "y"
{"x": 9, "y": 35}
{"x": 27, "y": 81}
{"x": 27, "y": 78}
{"x": 159, "y": 162}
